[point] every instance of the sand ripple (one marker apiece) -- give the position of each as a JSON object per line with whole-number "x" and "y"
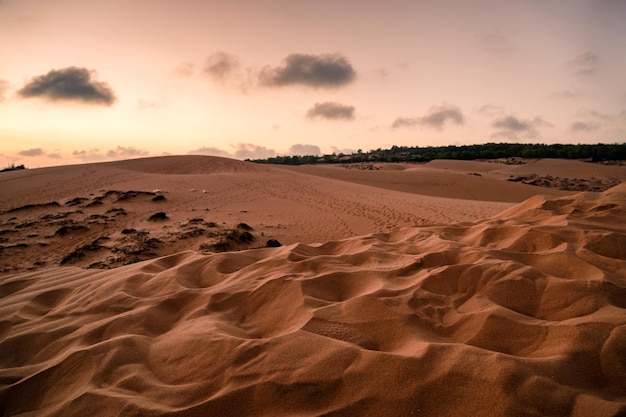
{"x": 520, "y": 314}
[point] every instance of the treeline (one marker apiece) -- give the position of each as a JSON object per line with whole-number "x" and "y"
{"x": 13, "y": 167}
{"x": 594, "y": 153}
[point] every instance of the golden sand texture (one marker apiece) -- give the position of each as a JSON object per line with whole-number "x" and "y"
{"x": 523, "y": 313}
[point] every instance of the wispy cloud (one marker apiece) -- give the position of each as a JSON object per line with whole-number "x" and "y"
{"x": 495, "y": 43}
{"x": 120, "y": 152}
{"x": 69, "y": 84}
{"x": 299, "y": 149}
{"x": 251, "y": 151}
{"x": 584, "y": 126}
{"x": 32, "y": 152}
{"x": 584, "y": 64}
{"x": 331, "y": 110}
{"x": 436, "y": 118}
{"x": 211, "y": 151}
{"x": 220, "y": 66}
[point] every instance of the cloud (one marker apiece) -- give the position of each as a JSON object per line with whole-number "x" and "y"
{"x": 492, "y": 111}
{"x": 584, "y": 127}
{"x": 204, "y": 150}
{"x": 72, "y": 84}
{"x": 495, "y": 43}
{"x": 126, "y": 152}
{"x": 299, "y": 149}
{"x": 32, "y": 152}
{"x": 145, "y": 104}
{"x": 220, "y": 66}
{"x": 405, "y": 122}
{"x": 92, "y": 155}
{"x": 513, "y": 123}
{"x": 54, "y": 156}
{"x": 344, "y": 151}
{"x": 185, "y": 69}
{"x": 250, "y": 151}
{"x": 436, "y": 118}
{"x": 331, "y": 110}
{"x": 584, "y": 64}
{"x": 318, "y": 71}
{"x": 513, "y": 128}
{"x": 4, "y": 88}
{"x": 120, "y": 152}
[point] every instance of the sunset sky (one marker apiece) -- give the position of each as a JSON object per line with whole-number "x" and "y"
{"x": 84, "y": 81}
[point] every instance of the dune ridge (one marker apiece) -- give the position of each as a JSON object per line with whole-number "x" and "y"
{"x": 519, "y": 314}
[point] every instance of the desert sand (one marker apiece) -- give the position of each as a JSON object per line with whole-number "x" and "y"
{"x": 440, "y": 289}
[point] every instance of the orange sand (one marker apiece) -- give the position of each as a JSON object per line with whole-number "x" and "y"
{"x": 485, "y": 308}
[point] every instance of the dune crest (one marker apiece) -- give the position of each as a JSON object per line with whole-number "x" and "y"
{"x": 520, "y": 314}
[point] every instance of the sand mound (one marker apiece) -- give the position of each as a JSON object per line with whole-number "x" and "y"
{"x": 520, "y": 314}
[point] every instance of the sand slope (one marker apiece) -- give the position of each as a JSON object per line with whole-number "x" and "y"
{"x": 49, "y": 215}
{"x": 520, "y": 314}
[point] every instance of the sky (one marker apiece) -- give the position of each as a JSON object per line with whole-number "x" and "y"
{"x": 85, "y": 81}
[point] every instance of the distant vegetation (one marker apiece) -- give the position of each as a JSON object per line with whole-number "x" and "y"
{"x": 594, "y": 153}
{"x": 13, "y": 167}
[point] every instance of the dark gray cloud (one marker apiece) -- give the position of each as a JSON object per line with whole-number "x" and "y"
{"x": 511, "y": 127}
{"x": 436, "y": 118}
{"x": 211, "y": 151}
{"x": 299, "y": 149}
{"x": 513, "y": 123}
{"x": 584, "y": 64}
{"x": 31, "y": 152}
{"x": 331, "y": 110}
{"x": 251, "y": 151}
{"x": 319, "y": 71}
{"x": 405, "y": 122}
{"x": 221, "y": 66}
{"x": 72, "y": 84}
{"x": 584, "y": 126}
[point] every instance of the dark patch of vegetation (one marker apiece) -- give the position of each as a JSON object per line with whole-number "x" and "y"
{"x": 159, "y": 197}
{"x": 273, "y": 243}
{"x": 593, "y": 153}
{"x": 566, "y": 183}
{"x": 128, "y": 231}
{"x": 79, "y": 252}
{"x": 116, "y": 211}
{"x": 56, "y": 216}
{"x": 158, "y": 216}
{"x": 136, "y": 243}
{"x": 244, "y": 226}
{"x": 13, "y": 167}
{"x": 75, "y": 201}
{"x": 64, "y": 230}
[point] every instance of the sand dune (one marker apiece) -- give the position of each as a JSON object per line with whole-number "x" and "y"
{"x": 522, "y": 313}
{"x": 78, "y": 214}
